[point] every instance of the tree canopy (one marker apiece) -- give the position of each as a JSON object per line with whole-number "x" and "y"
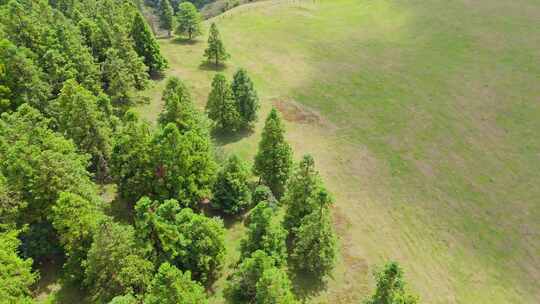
{"x": 245, "y": 95}
{"x": 215, "y": 52}
{"x": 172, "y": 286}
{"x": 391, "y": 288}
{"x": 231, "y": 190}
{"x": 188, "y": 20}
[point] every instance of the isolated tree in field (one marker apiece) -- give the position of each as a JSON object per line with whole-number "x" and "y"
{"x": 189, "y": 20}
{"x": 220, "y": 105}
{"x": 166, "y": 16}
{"x": 131, "y": 165}
{"x": 273, "y": 161}
{"x": 391, "y": 287}
{"x": 247, "y": 101}
{"x": 215, "y": 52}
{"x": 265, "y": 233}
{"x": 75, "y": 219}
{"x": 274, "y": 287}
{"x": 78, "y": 117}
{"x": 113, "y": 265}
{"x": 16, "y": 277}
{"x": 231, "y": 190}
{"x": 171, "y": 286}
{"x": 184, "y": 167}
{"x": 314, "y": 248}
{"x": 301, "y": 187}
{"x": 146, "y": 46}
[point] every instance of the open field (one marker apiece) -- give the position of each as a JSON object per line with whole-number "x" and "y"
{"x": 424, "y": 120}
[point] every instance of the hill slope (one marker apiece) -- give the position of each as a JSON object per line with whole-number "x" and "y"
{"x": 424, "y": 120}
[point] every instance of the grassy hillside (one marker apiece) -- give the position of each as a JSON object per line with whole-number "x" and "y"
{"x": 424, "y": 119}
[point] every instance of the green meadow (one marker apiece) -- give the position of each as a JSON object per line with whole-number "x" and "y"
{"x": 424, "y": 120}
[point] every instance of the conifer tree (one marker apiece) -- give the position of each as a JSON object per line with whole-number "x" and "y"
{"x": 274, "y": 158}
{"x": 146, "y": 46}
{"x": 247, "y": 101}
{"x": 171, "y": 286}
{"x": 391, "y": 288}
{"x": 231, "y": 190}
{"x": 166, "y": 16}
{"x": 78, "y": 117}
{"x": 265, "y": 233}
{"x": 314, "y": 248}
{"x": 184, "y": 166}
{"x": 131, "y": 165}
{"x": 303, "y": 184}
{"x": 220, "y": 105}
{"x": 189, "y": 20}
{"x": 274, "y": 287}
{"x": 242, "y": 287}
{"x": 215, "y": 52}
{"x": 180, "y": 110}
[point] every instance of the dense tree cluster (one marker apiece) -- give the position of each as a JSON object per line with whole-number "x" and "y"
{"x": 69, "y": 76}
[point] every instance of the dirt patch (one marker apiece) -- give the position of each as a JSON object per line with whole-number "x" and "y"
{"x": 294, "y": 112}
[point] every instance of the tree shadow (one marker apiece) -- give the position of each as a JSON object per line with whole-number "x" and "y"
{"x": 184, "y": 41}
{"x": 306, "y": 285}
{"x": 210, "y": 66}
{"x": 228, "y": 220}
{"x": 223, "y": 137}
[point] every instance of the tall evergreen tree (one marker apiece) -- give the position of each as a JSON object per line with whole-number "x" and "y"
{"x": 180, "y": 110}
{"x": 314, "y": 248}
{"x": 247, "y": 101}
{"x": 77, "y": 115}
{"x": 215, "y": 52}
{"x": 265, "y": 233}
{"x": 220, "y": 105}
{"x": 303, "y": 184}
{"x": 273, "y": 161}
{"x": 21, "y": 80}
{"x": 274, "y": 287}
{"x": 391, "y": 288}
{"x": 16, "y": 276}
{"x": 146, "y": 46}
{"x": 131, "y": 163}
{"x": 184, "y": 166}
{"x": 172, "y": 286}
{"x": 166, "y": 16}
{"x": 231, "y": 190}
{"x": 189, "y": 20}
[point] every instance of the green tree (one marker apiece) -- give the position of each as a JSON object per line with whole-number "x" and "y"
{"x": 113, "y": 264}
{"x": 247, "y": 101}
{"x": 189, "y": 20}
{"x": 11, "y": 206}
{"x": 172, "y": 286}
{"x": 391, "y": 288}
{"x": 265, "y": 233}
{"x": 146, "y": 46}
{"x": 180, "y": 110}
{"x": 166, "y": 16}
{"x": 184, "y": 166}
{"x": 38, "y": 164}
{"x": 21, "y": 80}
{"x": 131, "y": 162}
{"x": 78, "y": 117}
{"x": 189, "y": 241}
{"x": 314, "y": 249}
{"x": 242, "y": 286}
{"x": 303, "y": 184}
{"x": 75, "y": 219}
{"x": 16, "y": 276}
{"x": 125, "y": 299}
{"x": 220, "y": 105}
{"x": 215, "y": 52}
{"x": 263, "y": 193}
{"x": 274, "y": 287}
{"x": 273, "y": 161}
{"x": 231, "y": 190}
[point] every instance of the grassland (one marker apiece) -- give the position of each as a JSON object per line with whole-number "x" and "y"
{"x": 424, "y": 120}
